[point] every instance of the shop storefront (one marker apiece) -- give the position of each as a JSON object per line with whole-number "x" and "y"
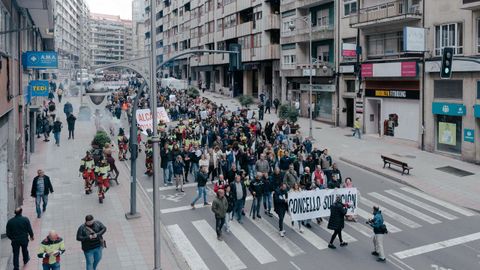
{"x": 448, "y": 126}
{"x": 322, "y": 98}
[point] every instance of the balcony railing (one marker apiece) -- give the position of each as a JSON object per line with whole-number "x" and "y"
{"x": 384, "y": 11}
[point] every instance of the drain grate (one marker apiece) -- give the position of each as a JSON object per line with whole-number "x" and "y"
{"x": 455, "y": 171}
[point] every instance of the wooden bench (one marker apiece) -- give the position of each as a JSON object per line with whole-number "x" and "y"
{"x": 392, "y": 161}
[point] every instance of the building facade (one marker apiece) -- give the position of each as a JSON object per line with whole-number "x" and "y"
{"x": 72, "y": 36}
{"x": 138, "y": 28}
{"x": 111, "y": 39}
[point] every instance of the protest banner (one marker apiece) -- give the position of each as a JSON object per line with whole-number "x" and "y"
{"x": 309, "y": 204}
{"x": 145, "y": 121}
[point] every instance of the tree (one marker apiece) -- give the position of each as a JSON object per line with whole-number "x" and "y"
{"x": 288, "y": 112}
{"x": 245, "y": 101}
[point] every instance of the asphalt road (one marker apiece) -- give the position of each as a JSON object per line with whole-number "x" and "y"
{"x": 425, "y": 232}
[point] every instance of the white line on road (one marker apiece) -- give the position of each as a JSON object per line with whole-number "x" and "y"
{"x": 251, "y": 244}
{"x": 420, "y": 204}
{"x": 364, "y": 214}
{"x": 437, "y": 246}
{"x": 188, "y": 207}
{"x": 405, "y": 208}
{"x": 308, "y": 235}
{"x": 407, "y": 222}
{"x": 445, "y": 204}
{"x": 294, "y": 265}
{"x": 185, "y": 247}
{"x": 189, "y": 185}
{"x": 224, "y": 252}
{"x": 401, "y": 263}
{"x": 283, "y": 242}
{"x": 346, "y": 237}
{"x": 360, "y": 228}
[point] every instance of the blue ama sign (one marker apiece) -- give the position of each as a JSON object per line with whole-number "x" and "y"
{"x": 40, "y": 60}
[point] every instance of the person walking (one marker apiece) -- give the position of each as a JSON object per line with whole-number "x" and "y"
{"x": 276, "y": 103}
{"x": 50, "y": 250}
{"x": 71, "y": 126}
{"x": 336, "y": 222}
{"x": 239, "y": 194}
{"x": 90, "y": 234}
{"x": 280, "y": 204}
{"x": 256, "y": 187}
{"x": 202, "y": 178}
{"x": 59, "y": 94}
{"x": 379, "y": 229}
{"x": 87, "y": 168}
{"x": 57, "y": 128}
{"x": 18, "y": 231}
{"x": 356, "y": 128}
{"x": 231, "y": 205}
{"x": 41, "y": 187}
{"x": 219, "y": 207}
{"x": 268, "y": 104}
{"x": 178, "y": 168}
{"x": 67, "y": 108}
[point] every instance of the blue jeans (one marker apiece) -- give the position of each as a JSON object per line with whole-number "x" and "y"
{"x": 357, "y": 131}
{"x": 237, "y": 208}
{"x": 267, "y": 201}
{"x": 55, "y": 266}
{"x": 251, "y": 171}
{"x": 38, "y": 199}
{"x": 56, "y": 135}
{"x": 168, "y": 172}
{"x": 194, "y": 170}
{"x": 200, "y": 191}
{"x": 257, "y": 204}
{"x": 93, "y": 258}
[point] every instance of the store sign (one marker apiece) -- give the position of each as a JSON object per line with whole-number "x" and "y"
{"x": 451, "y": 109}
{"x": 39, "y": 88}
{"x": 403, "y": 94}
{"x": 40, "y": 60}
{"x": 306, "y": 72}
{"x": 469, "y": 135}
{"x": 447, "y": 133}
{"x": 347, "y": 69}
{"x": 397, "y": 69}
{"x": 318, "y": 87}
{"x": 476, "y": 109}
{"x": 349, "y": 50}
{"x": 414, "y": 39}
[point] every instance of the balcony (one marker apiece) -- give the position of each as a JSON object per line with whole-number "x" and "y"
{"x": 244, "y": 29}
{"x": 301, "y": 34}
{"x": 471, "y": 4}
{"x": 385, "y": 14}
{"x": 311, "y": 3}
{"x": 272, "y": 21}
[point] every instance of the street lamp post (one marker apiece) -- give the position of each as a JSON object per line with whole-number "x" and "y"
{"x": 308, "y": 20}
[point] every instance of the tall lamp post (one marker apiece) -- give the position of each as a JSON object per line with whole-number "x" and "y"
{"x": 307, "y": 20}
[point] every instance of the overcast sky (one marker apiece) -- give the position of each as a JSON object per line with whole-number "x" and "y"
{"x": 112, "y": 7}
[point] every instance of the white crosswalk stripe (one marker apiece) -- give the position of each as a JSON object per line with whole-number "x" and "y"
{"x": 251, "y": 244}
{"x": 366, "y": 231}
{"x": 364, "y": 214}
{"x": 422, "y": 205}
{"x": 405, "y": 208}
{"x": 445, "y": 204}
{"x": 387, "y": 212}
{"x": 283, "y": 242}
{"x": 346, "y": 237}
{"x": 189, "y": 253}
{"x": 223, "y": 251}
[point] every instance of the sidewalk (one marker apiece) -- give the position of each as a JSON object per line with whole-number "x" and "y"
{"x": 129, "y": 242}
{"x": 366, "y": 153}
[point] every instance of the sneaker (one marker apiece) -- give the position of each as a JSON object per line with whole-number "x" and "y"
{"x": 253, "y": 217}
{"x": 331, "y": 246}
{"x": 282, "y": 233}
{"x": 219, "y": 238}
{"x": 381, "y": 260}
{"x": 192, "y": 205}
{"x": 308, "y": 226}
{"x": 206, "y": 204}
{"x": 165, "y": 184}
{"x": 374, "y": 253}
{"x": 301, "y": 230}
{"x": 258, "y": 216}
{"x": 270, "y": 214}
{"x": 343, "y": 244}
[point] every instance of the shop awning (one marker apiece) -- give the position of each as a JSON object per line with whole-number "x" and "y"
{"x": 452, "y": 109}
{"x": 476, "y": 110}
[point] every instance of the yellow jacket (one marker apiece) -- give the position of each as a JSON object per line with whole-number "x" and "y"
{"x": 50, "y": 250}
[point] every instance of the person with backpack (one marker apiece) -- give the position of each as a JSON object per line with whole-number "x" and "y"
{"x": 379, "y": 229}
{"x": 57, "y": 128}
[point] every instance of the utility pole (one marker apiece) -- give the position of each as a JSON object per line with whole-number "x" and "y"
{"x": 156, "y": 148}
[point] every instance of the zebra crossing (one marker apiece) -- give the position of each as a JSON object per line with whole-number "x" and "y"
{"x": 408, "y": 209}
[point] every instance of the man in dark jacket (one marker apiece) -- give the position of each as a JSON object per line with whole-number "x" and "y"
{"x": 41, "y": 187}
{"x": 57, "y": 128}
{"x": 67, "y": 109}
{"x": 90, "y": 234}
{"x": 257, "y": 189}
{"x": 336, "y": 222}
{"x": 202, "y": 178}
{"x": 71, "y": 126}
{"x": 280, "y": 204}
{"x": 239, "y": 194}
{"x": 18, "y": 230}
{"x": 167, "y": 164}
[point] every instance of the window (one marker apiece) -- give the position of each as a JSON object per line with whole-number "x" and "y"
{"x": 449, "y": 35}
{"x": 226, "y": 2}
{"x": 322, "y": 18}
{"x": 349, "y": 7}
{"x": 323, "y": 53}
{"x": 219, "y": 25}
{"x": 245, "y": 42}
{"x": 257, "y": 40}
{"x": 350, "y": 86}
{"x": 286, "y": 26}
{"x": 385, "y": 44}
{"x": 290, "y": 59}
{"x": 230, "y": 21}
{"x": 290, "y": 46}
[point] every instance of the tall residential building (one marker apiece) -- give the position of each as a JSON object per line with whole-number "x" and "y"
{"x": 111, "y": 39}
{"x": 138, "y": 28}
{"x": 72, "y": 36}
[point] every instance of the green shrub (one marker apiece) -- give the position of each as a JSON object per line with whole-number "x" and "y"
{"x": 193, "y": 92}
{"x": 245, "y": 101}
{"x": 101, "y": 138}
{"x": 288, "y": 112}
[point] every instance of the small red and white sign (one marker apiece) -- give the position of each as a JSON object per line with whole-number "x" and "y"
{"x": 396, "y": 69}
{"x": 145, "y": 118}
{"x": 349, "y": 50}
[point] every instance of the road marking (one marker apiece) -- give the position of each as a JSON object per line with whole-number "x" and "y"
{"x": 223, "y": 251}
{"x": 347, "y": 237}
{"x": 283, "y": 242}
{"x": 188, "y": 207}
{"x": 401, "y": 263}
{"x": 445, "y": 204}
{"x": 189, "y": 185}
{"x": 407, "y": 222}
{"x": 405, "y": 208}
{"x": 189, "y": 253}
{"x": 296, "y": 266}
{"x": 420, "y": 204}
{"x": 308, "y": 235}
{"x": 437, "y": 246}
{"x": 364, "y": 214}
{"x": 251, "y": 244}
{"x": 368, "y": 232}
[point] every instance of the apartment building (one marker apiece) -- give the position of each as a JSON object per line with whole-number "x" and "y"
{"x": 17, "y": 109}
{"x": 215, "y": 25}
{"x": 111, "y": 39}
{"x": 72, "y": 36}
{"x": 138, "y": 28}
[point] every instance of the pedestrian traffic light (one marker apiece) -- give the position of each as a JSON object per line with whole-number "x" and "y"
{"x": 447, "y": 61}
{"x": 235, "y": 59}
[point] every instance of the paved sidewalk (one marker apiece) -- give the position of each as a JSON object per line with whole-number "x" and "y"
{"x": 130, "y": 242}
{"x": 366, "y": 153}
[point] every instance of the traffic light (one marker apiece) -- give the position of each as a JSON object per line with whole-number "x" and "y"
{"x": 235, "y": 59}
{"x": 447, "y": 61}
